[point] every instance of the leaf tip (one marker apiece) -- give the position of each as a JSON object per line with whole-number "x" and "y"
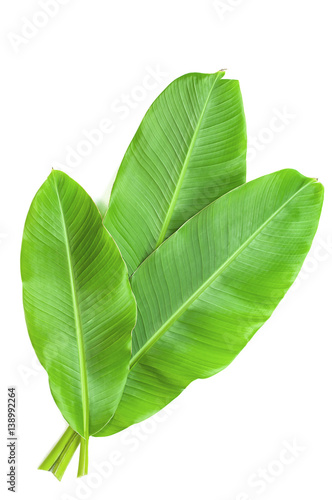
{"x": 221, "y": 72}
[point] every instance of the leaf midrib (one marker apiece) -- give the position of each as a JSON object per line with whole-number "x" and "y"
{"x": 165, "y": 327}
{"x": 185, "y": 166}
{"x": 78, "y": 324}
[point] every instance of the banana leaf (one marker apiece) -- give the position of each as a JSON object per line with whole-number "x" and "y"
{"x": 188, "y": 151}
{"x": 79, "y": 307}
{"x": 208, "y": 288}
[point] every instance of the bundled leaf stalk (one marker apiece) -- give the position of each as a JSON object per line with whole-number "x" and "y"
{"x": 188, "y": 263}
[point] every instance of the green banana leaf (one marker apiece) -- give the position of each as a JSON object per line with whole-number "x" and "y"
{"x": 188, "y": 151}
{"x": 207, "y": 289}
{"x": 79, "y": 307}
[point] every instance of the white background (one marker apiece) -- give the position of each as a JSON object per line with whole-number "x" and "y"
{"x": 63, "y": 80}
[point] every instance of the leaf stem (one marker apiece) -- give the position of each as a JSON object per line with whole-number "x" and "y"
{"x": 59, "y": 457}
{"x": 84, "y": 457}
{"x": 62, "y": 463}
